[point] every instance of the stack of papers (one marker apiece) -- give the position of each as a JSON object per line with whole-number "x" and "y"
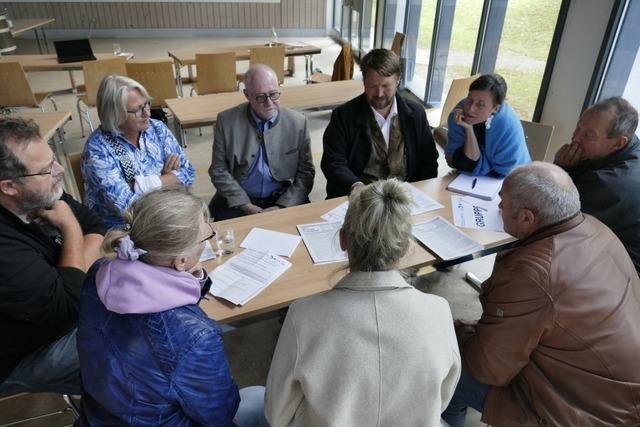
{"x": 245, "y": 275}
{"x": 421, "y": 203}
{"x": 482, "y": 187}
{"x": 278, "y": 243}
{"x": 470, "y": 212}
{"x": 444, "y": 239}
{"x": 323, "y": 242}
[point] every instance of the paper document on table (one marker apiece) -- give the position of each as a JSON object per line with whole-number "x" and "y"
{"x": 246, "y": 274}
{"x": 444, "y": 239}
{"x": 470, "y": 212}
{"x": 482, "y": 187}
{"x": 282, "y": 244}
{"x": 322, "y": 242}
{"x": 336, "y": 214}
{"x": 297, "y": 44}
{"x": 421, "y": 201}
{"x": 208, "y": 252}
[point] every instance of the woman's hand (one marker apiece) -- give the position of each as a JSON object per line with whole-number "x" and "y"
{"x": 172, "y": 163}
{"x": 458, "y": 117}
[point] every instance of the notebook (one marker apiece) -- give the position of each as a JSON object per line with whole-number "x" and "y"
{"x": 73, "y": 51}
{"x": 482, "y": 187}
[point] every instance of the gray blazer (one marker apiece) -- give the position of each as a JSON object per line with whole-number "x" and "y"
{"x": 288, "y": 150}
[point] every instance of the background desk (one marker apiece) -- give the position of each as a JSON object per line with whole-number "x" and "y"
{"x": 304, "y": 278}
{"x": 187, "y": 57}
{"x": 22, "y": 25}
{"x": 203, "y": 110}
{"x": 51, "y": 123}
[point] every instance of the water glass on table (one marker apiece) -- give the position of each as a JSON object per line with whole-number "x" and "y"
{"x": 226, "y": 240}
{"x": 117, "y": 50}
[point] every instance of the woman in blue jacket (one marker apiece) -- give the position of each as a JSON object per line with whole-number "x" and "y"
{"x": 149, "y": 356}
{"x": 485, "y": 137}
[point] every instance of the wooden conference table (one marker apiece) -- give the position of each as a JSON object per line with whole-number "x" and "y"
{"x": 23, "y": 25}
{"x": 187, "y": 57}
{"x": 304, "y": 278}
{"x": 203, "y": 110}
{"x": 51, "y": 123}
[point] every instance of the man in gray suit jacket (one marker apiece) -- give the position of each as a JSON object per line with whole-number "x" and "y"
{"x": 261, "y": 152}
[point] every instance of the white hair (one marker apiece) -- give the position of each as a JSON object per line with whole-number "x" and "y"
{"x": 112, "y": 100}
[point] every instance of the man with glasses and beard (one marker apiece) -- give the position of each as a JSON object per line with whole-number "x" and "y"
{"x": 261, "y": 153}
{"x": 379, "y": 134}
{"x": 47, "y": 243}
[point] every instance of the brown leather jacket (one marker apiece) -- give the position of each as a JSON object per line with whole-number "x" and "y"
{"x": 559, "y": 336}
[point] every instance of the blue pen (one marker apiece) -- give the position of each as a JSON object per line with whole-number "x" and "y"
{"x": 473, "y": 184}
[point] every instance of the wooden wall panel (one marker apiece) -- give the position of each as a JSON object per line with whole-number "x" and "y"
{"x": 138, "y": 15}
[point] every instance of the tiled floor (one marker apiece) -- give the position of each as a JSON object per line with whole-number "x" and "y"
{"x": 249, "y": 348}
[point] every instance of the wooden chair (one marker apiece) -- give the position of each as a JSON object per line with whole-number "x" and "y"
{"x": 398, "y": 41}
{"x": 538, "y": 138}
{"x": 94, "y": 72}
{"x": 459, "y": 89}
{"x": 342, "y": 67}
{"x": 74, "y": 162}
{"x": 15, "y": 90}
{"x": 216, "y": 73}
{"x": 273, "y": 56}
{"x": 157, "y": 77}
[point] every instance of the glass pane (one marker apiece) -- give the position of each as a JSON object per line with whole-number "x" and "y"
{"x": 393, "y": 20}
{"x": 422, "y": 14}
{"x": 355, "y": 32}
{"x": 368, "y": 25}
{"x": 344, "y": 32}
{"x": 464, "y": 34}
{"x": 337, "y": 14}
{"x": 524, "y": 48}
{"x": 632, "y": 89}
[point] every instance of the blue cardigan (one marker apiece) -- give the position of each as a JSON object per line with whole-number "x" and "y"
{"x": 505, "y": 145}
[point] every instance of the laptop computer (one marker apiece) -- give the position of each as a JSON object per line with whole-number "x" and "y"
{"x": 73, "y": 51}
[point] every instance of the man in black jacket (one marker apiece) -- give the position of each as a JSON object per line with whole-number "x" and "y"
{"x": 603, "y": 161}
{"x": 377, "y": 135}
{"x": 47, "y": 242}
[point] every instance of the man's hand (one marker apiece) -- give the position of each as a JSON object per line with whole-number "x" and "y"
{"x": 569, "y": 155}
{"x": 464, "y": 328}
{"x": 172, "y": 163}
{"x": 60, "y": 215}
{"x": 357, "y": 184}
{"x": 458, "y": 117}
{"x": 272, "y": 208}
{"x": 250, "y": 209}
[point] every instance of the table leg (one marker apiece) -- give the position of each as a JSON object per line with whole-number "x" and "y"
{"x": 178, "y": 78}
{"x": 291, "y": 65}
{"x": 72, "y": 79}
{"x": 61, "y": 156}
{"x": 35, "y": 31}
{"x": 190, "y": 73}
{"x": 307, "y": 72}
{"x": 44, "y": 38}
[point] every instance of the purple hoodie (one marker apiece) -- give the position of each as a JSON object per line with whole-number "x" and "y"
{"x": 134, "y": 287}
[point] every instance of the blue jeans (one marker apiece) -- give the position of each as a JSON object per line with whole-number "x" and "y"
{"x": 469, "y": 392}
{"x": 251, "y": 410}
{"x": 53, "y": 368}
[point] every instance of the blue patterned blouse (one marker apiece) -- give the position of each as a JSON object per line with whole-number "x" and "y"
{"x": 106, "y": 189}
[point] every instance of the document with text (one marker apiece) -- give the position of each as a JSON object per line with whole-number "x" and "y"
{"x": 323, "y": 242}
{"x": 482, "y": 187}
{"x": 245, "y": 275}
{"x": 282, "y": 244}
{"x": 444, "y": 239}
{"x": 470, "y": 212}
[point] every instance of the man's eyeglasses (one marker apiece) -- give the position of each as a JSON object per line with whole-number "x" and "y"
{"x": 213, "y": 234}
{"x": 262, "y": 97}
{"x": 138, "y": 111}
{"x": 49, "y": 172}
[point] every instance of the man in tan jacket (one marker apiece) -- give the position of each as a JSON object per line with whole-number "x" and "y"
{"x": 558, "y": 339}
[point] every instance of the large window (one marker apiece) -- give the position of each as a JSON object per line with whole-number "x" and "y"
{"x": 524, "y": 48}
{"x": 419, "y": 32}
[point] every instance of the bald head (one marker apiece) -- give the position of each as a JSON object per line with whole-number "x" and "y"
{"x": 543, "y": 188}
{"x": 259, "y": 74}
{"x": 262, "y": 91}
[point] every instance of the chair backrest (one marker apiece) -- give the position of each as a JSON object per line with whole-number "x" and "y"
{"x": 74, "y": 162}
{"x": 343, "y": 67}
{"x": 15, "y": 90}
{"x": 156, "y": 75}
{"x": 216, "y": 72}
{"x": 95, "y": 71}
{"x": 273, "y": 56}
{"x": 538, "y": 138}
{"x": 459, "y": 89}
{"x": 396, "y": 45}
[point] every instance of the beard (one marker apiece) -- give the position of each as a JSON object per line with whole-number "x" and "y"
{"x": 33, "y": 201}
{"x": 380, "y": 103}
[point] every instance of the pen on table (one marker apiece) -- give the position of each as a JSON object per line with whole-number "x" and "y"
{"x": 473, "y": 183}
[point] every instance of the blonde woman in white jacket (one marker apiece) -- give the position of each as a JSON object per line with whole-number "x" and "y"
{"x": 373, "y": 351}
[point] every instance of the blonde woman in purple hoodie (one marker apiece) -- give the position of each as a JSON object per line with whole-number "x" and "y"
{"x": 149, "y": 356}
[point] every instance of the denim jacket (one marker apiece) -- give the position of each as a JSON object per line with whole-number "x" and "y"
{"x": 157, "y": 369}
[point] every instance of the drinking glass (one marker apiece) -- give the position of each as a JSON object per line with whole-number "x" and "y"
{"x": 117, "y": 50}
{"x": 226, "y": 240}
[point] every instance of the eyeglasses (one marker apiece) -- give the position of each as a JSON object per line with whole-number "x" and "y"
{"x": 213, "y": 234}
{"x": 262, "y": 97}
{"x": 138, "y": 111}
{"x": 49, "y": 172}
